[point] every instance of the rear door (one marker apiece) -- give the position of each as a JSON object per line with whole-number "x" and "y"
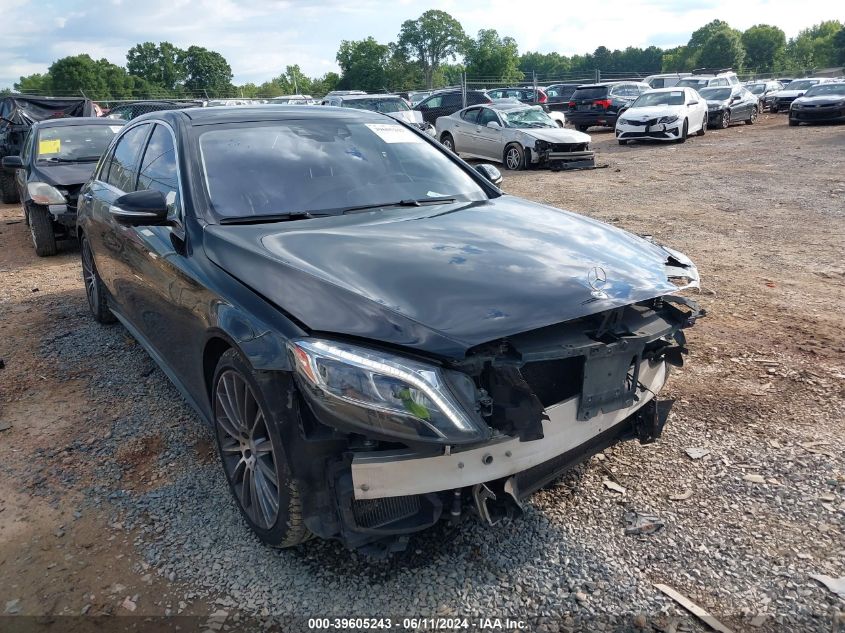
{"x": 489, "y": 141}
{"x": 463, "y": 130}
{"x": 108, "y": 239}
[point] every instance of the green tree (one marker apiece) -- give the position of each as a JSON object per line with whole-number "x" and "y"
{"x": 432, "y": 39}
{"x": 36, "y": 84}
{"x": 764, "y": 45}
{"x": 363, "y": 64}
{"x": 160, "y": 65}
{"x": 206, "y": 72}
{"x": 723, "y": 50}
{"x": 492, "y": 57}
{"x": 839, "y": 47}
{"x": 546, "y": 65}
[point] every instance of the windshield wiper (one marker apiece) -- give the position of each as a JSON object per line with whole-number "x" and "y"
{"x": 402, "y": 203}
{"x": 56, "y": 159}
{"x": 271, "y": 217}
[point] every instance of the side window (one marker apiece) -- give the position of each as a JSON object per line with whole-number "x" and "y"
{"x": 495, "y": 94}
{"x": 658, "y": 83}
{"x": 474, "y": 98}
{"x": 434, "y": 102}
{"x": 158, "y": 168}
{"x": 487, "y": 115}
{"x": 719, "y": 82}
{"x": 470, "y": 115}
{"x": 124, "y": 165}
{"x": 452, "y": 101}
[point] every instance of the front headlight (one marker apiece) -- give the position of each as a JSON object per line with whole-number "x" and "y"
{"x": 796, "y": 106}
{"x": 389, "y": 395}
{"x": 42, "y": 193}
{"x": 668, "y": 119}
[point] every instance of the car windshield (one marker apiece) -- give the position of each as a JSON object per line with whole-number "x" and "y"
{"x": 394, "y": 104}
{"x": 676, "y": 97}
{"x": 692, "y": 83}
{"x": 74, "y": 143}
{"x": 324, "y": 165}
{"x": 826, "y": 89}
{"x": 715, "y": 94}
{"x": 801, "y": 84}
{"x": 756, "y": 89}
{"x": 527, "y": 117}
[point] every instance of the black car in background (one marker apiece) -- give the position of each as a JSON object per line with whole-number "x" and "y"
{"x": 824, "y": 103}
{"x": 57, "y": 158}
{"x": 559, "y": 96}
{"x": 764, "y": 91}
{"x": 377, "y": 334}
{"x": 17, "y": 114}
{"x": 132, "y": 109}
{"x": 600, "y": 104}
{"x": 446, "y": 102}
{"x": 733, "y": 104}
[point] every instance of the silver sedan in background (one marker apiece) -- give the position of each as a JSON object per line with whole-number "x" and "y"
{"x": 515, "y": 134}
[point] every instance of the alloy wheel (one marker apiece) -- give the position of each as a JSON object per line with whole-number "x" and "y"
{"x": 514, "y": 158}
{"x": 89, "y": 276}
{"x": 246, "y": 448}
{"x": 726, "y": 120}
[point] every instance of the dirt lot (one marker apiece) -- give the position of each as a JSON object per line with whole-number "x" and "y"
{"x": 112, "y": 503}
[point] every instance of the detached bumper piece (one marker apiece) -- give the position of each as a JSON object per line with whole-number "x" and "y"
{"x": 564, "y": 156}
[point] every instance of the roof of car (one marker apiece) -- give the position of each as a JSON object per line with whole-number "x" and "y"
{"x": 77, "y": 120}
{"x": 604, "y": 84}
{"x": 671, "y": 89}
{"x": 265, "y": 112}
{"x": 371, "y": 96}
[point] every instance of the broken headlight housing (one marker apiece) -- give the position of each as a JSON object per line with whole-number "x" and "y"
{"x": 390, "y": 396}
{"x": 668, "y": 119}
{"x": 44, "y": 194}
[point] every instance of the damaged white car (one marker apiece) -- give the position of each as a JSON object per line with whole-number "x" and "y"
{"x": 514, "y": 134}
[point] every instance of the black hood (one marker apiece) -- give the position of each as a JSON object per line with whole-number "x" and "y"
{"x": 441, "y": 279}
{"x": 62, "y": 174}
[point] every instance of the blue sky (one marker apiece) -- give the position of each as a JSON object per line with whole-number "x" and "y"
{"x": 260, "y": 37}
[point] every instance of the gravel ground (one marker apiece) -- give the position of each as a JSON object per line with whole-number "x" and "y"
{"x": 103, "y": 450}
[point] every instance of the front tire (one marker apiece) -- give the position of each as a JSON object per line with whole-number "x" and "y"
{"x": 448, "y": 142}
{"x": 41, "y": 229}
{"x": 250, "y": 447}
{"x": 793, "y": 123}
{"x": 514, "y": 158}
{"x": 95, "y": 290}
{"x": 684, "y": 132}
{"x": 725, "y": 120}
{"x": 582, "y": 128}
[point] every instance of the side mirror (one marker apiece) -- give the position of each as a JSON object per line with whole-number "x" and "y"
{"x": 692, "y": 102}
{"x": 12, "y": 163}
{"x": 490, "y": 172}
{"x": 140, "y": 208}
{"x": 494, "y": 125}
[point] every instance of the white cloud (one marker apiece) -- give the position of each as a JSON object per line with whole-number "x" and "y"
{"x": 260, "y": 37}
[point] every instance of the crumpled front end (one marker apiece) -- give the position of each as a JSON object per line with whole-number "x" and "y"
{"x": 563, "y": 156}
{"x": 511, "y": 416}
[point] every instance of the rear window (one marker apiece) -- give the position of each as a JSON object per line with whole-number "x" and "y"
{"x": 595, "y": 92}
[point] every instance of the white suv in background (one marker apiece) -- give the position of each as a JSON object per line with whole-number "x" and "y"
{"x": 665, "y": 80}
{"x": 703, "y": 79}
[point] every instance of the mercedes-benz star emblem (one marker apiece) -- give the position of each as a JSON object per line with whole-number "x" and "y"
{"x": 597, "y": 279}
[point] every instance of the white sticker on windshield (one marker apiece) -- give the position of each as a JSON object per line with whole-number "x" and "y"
{"x": 390, "y": 133}
{"x": 114, "y": 128}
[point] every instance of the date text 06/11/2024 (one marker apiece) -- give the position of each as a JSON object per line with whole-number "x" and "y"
{"x": 418, "y": 624}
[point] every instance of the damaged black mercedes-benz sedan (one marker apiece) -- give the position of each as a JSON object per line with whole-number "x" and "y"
{"x": 378, "y": 335}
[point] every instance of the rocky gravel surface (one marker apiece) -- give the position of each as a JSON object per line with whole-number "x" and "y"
{"x": 748, "y": 479}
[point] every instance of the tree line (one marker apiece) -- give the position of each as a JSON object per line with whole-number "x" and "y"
{"x": 434, "y": 51}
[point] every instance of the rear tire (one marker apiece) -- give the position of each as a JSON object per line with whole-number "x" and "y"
{"x": 448, "y": 142}
{"x": 43, "y": 236}
{"x": 752, "y": 117}
{"x": 8, "y": 188}
{"x": 95, "y": 290}
{"x": 250, "y": 446}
